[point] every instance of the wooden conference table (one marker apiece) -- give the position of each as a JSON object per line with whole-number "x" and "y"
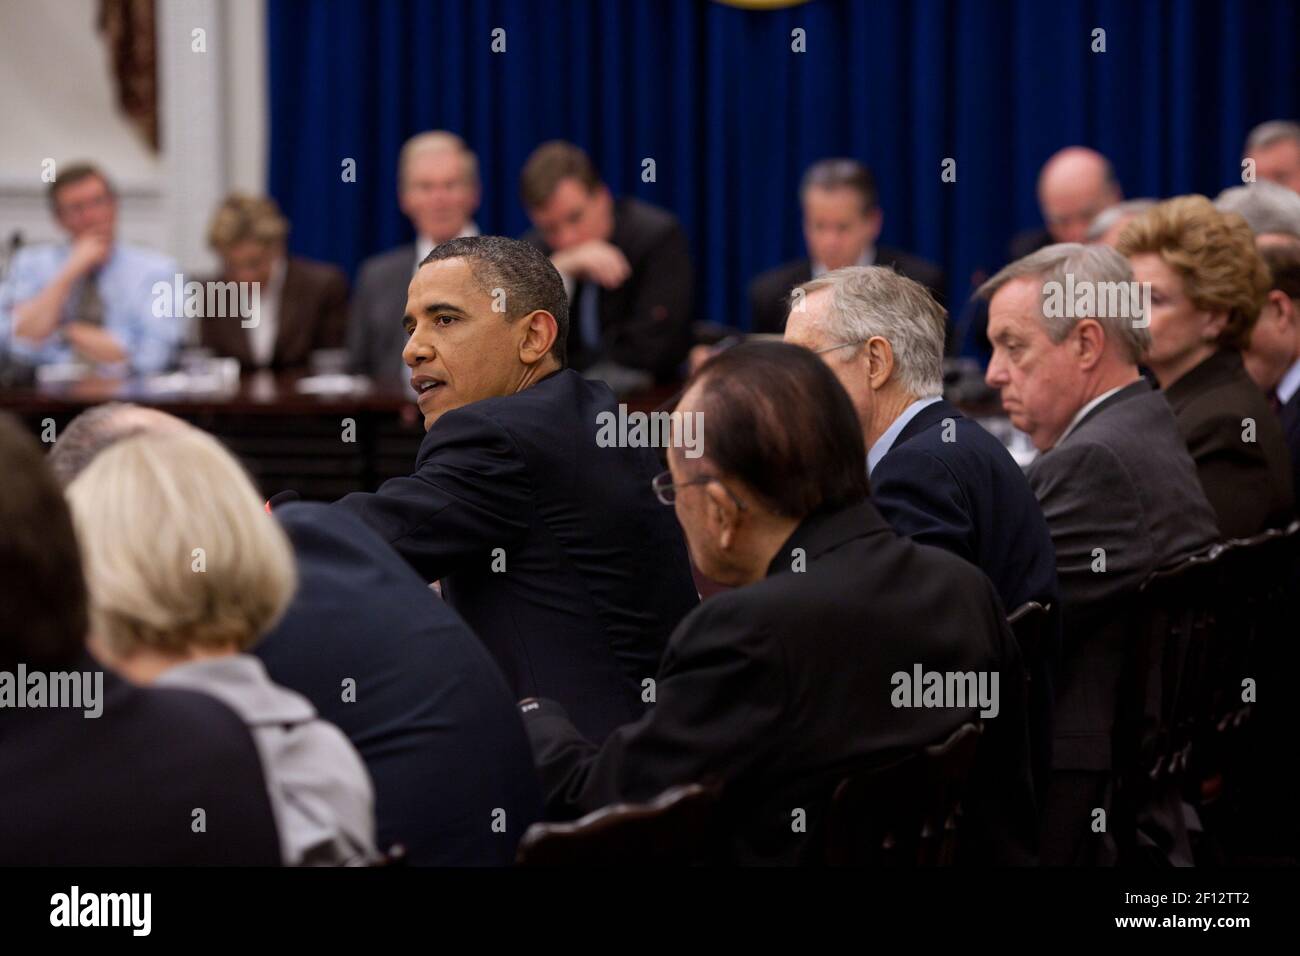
{"x": 321, "y": 446}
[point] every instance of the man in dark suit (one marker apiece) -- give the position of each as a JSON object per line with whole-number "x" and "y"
{"x": 438, "y": 189}
{"x": 936, "y": 476}
{"x": 536, "y": 516}
{"x": 842, "y": 219}
{"x": 427, "y": 708}
{"x": 774, "y": 690}
{"x": 127, "y": 776}
{"x": 1121, "y": 498}
{"x": 625, "y": 264}
{"x": 301, "y": 304}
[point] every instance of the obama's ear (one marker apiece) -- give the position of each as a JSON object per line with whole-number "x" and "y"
{"x": 539, "y": 333}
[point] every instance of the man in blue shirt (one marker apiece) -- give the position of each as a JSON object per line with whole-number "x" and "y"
{"x": 90, "y": 299}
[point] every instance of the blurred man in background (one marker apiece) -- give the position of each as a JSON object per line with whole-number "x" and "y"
{"x": 1076, "y": 184}
{"x": 1275, "y": 149}
{"x": 438, "y": 190}
{"x": 89, "y": 299}
{"x": 842, "y": 220}
{"x": 625, "y": 265}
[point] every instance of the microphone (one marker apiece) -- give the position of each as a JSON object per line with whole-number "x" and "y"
{"x": 281, "y": 498}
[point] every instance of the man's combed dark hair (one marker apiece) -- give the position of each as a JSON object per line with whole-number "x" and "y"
{"x": 519, "y": 269}
{"x": 43, "y": 611}
{"x": 778, "y": 419}
{"x": 70, "y": 174}
{"x": 549, "y": 165}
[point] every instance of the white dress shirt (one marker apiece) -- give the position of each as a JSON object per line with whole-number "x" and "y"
{"x": 424, "y": 245}
{"x": 264, "y": 331}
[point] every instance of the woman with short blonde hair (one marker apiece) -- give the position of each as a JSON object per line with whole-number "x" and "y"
{"x": 1207, "y": 284}
{"x": 186, "y": 571}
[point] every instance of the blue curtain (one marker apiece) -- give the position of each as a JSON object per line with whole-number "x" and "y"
{"x": 732, "y": 116}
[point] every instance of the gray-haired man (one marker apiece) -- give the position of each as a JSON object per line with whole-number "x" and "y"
{"x": 1116, "y": 484}
{"x": 936, "y": 476}
{"x": 1275, "y": 149}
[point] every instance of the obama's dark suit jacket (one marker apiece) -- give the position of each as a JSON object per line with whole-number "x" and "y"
{"x": 776, "y": 689}
{"x": 769, "y": 293}
{"x": 1122, "y": 499}
{"x": 1246, "y": 477}
{"x": 645, "y": 322}
{"x": 552, "y": 548}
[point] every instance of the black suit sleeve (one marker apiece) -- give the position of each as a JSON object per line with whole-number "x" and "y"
{"x": 920, "y": 498}
{"x": 720, "y": 696}
{"x": 654, "y": 334}
{"x": 469, "y": 495}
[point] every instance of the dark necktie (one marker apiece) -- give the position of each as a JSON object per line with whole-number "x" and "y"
{"x": 90, "y": 307}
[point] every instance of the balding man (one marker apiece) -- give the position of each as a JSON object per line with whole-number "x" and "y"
{"x": 98, "y": 427}
{"x": 1074, "y": 186}
{"x": 1116, "y": 484}
{"x": 438, "y": 190}
{"x": 1274, "y": 148}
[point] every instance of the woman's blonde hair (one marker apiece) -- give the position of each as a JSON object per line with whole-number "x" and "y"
{"x": 178, "y": 548}
{"x": 1214, "y": 253}
{"x": 241, "y": 218}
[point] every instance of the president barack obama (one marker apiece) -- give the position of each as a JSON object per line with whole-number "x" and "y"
{"x": 552, "y": 548}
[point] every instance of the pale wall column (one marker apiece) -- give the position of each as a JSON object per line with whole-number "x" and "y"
{"x": 190, "y": 86}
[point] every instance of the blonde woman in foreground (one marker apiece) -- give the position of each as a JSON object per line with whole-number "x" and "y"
{"x": 186, "y": 572}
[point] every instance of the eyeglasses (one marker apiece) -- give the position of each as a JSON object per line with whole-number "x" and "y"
{"x": 832, "y": 348}
{"x": 666, "y": 491}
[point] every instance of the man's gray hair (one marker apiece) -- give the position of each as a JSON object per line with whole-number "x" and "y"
{"x": 98, "y": 427}
{"x": 1267, "y": 207}
{"x": 1104, "y": 220}
{"x": 1110, "y": 276}
{"x": 436, "y": 141}
{"x": 866, "y": 301}
{"x": 1273, "y": 131}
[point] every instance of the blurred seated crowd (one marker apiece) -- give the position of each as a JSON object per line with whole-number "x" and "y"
{"x": 515, "y": 632}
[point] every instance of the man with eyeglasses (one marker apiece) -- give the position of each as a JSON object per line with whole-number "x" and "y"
{"x": 936, "y": 475}
{"x": 774, "y": 690}
{"x": 90, "y": 299}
